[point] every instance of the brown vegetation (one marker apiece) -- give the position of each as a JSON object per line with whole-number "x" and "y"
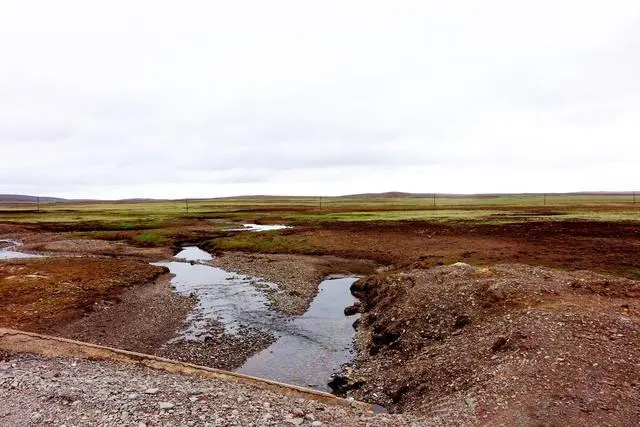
{"x": 37, "y": 294}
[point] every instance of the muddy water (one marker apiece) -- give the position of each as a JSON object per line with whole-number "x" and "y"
{"x": 308, "y": 349}
{"x": 315, "y": 344}
{"x": 9, "y": 253}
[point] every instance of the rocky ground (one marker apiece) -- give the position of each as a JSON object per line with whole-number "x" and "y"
{"x": 501, "y": 345}
{"x": 220, "y": 349}
{"x": 36, "y": 390}
{"x": 297, "y": 276}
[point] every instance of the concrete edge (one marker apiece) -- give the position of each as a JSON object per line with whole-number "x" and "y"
{"x": 46, "y": 345}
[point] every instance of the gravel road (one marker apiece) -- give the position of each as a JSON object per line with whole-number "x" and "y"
{"x": 35, "y": 390}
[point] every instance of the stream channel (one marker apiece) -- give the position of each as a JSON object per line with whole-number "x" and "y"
{"x": 308, "y": 349}
{"x": 9, "y": 252}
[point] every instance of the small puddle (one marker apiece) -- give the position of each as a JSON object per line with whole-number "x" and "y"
{"x": 315, "y": 345}
{"x": 8, "y": 253}
{"x": 308, "y": 349}
{"x": 259, "y": 227}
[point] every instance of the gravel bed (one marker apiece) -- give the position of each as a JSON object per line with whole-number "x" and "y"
{"x": 297, "y": 276}
{"x": 36, "y": 390}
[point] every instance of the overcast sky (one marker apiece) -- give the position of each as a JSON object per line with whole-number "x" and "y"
{"x": 118, "y": 99}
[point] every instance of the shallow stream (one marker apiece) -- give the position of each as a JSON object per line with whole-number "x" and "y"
{"x": 9, "y": 252}
{"x": 308, "y": 349}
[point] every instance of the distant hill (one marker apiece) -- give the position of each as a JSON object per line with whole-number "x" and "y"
{"x": 22, "y": 198}
{"x": 387, "y": 195}
{"x": 400, "y": 194}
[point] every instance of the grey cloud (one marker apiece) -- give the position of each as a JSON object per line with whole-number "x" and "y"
{"x": 110, "y": 100}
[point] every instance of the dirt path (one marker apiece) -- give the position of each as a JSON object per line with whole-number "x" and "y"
{"x": 36, "y": 390}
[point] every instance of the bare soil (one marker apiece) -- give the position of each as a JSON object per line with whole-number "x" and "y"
{"x": 144, "y": 319}
{"x": 608, "y": 247}
{"x": 37, "y": 294}
{"x": 500, "y": 345}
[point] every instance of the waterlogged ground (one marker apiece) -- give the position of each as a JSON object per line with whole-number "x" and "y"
{"x": 308, "y": 348}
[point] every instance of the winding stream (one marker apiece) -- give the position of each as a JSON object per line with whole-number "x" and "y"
{"x": 308, "y": 349}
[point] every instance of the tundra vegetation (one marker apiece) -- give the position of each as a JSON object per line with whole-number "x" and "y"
{"x": 460, "y": 293}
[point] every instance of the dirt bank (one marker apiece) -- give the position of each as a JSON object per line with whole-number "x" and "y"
{"x": 40, "y": 294}
{"x": 509, "y": 344}
{"x": 144, "y": 319}
{"x": 55, "y": 391}
{"x": 609, "y": 247}
{"x": 148, "y": 317}
{"x": 58, "y": 244}
{"x": 297, "y": 276}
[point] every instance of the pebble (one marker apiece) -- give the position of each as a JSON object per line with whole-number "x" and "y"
{"x": 109, "y": 397}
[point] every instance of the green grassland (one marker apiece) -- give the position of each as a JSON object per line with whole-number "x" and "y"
{"x": 146, "y": 215}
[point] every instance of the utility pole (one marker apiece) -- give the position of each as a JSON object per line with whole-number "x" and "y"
{"x": 38, "y": 203}
{"x": 186, "y": 204}
{"x": 434, "y": 200}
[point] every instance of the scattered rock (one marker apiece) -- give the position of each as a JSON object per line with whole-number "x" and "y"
{"x": 354, "y": 308}
{"x": 462, "y": 321}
